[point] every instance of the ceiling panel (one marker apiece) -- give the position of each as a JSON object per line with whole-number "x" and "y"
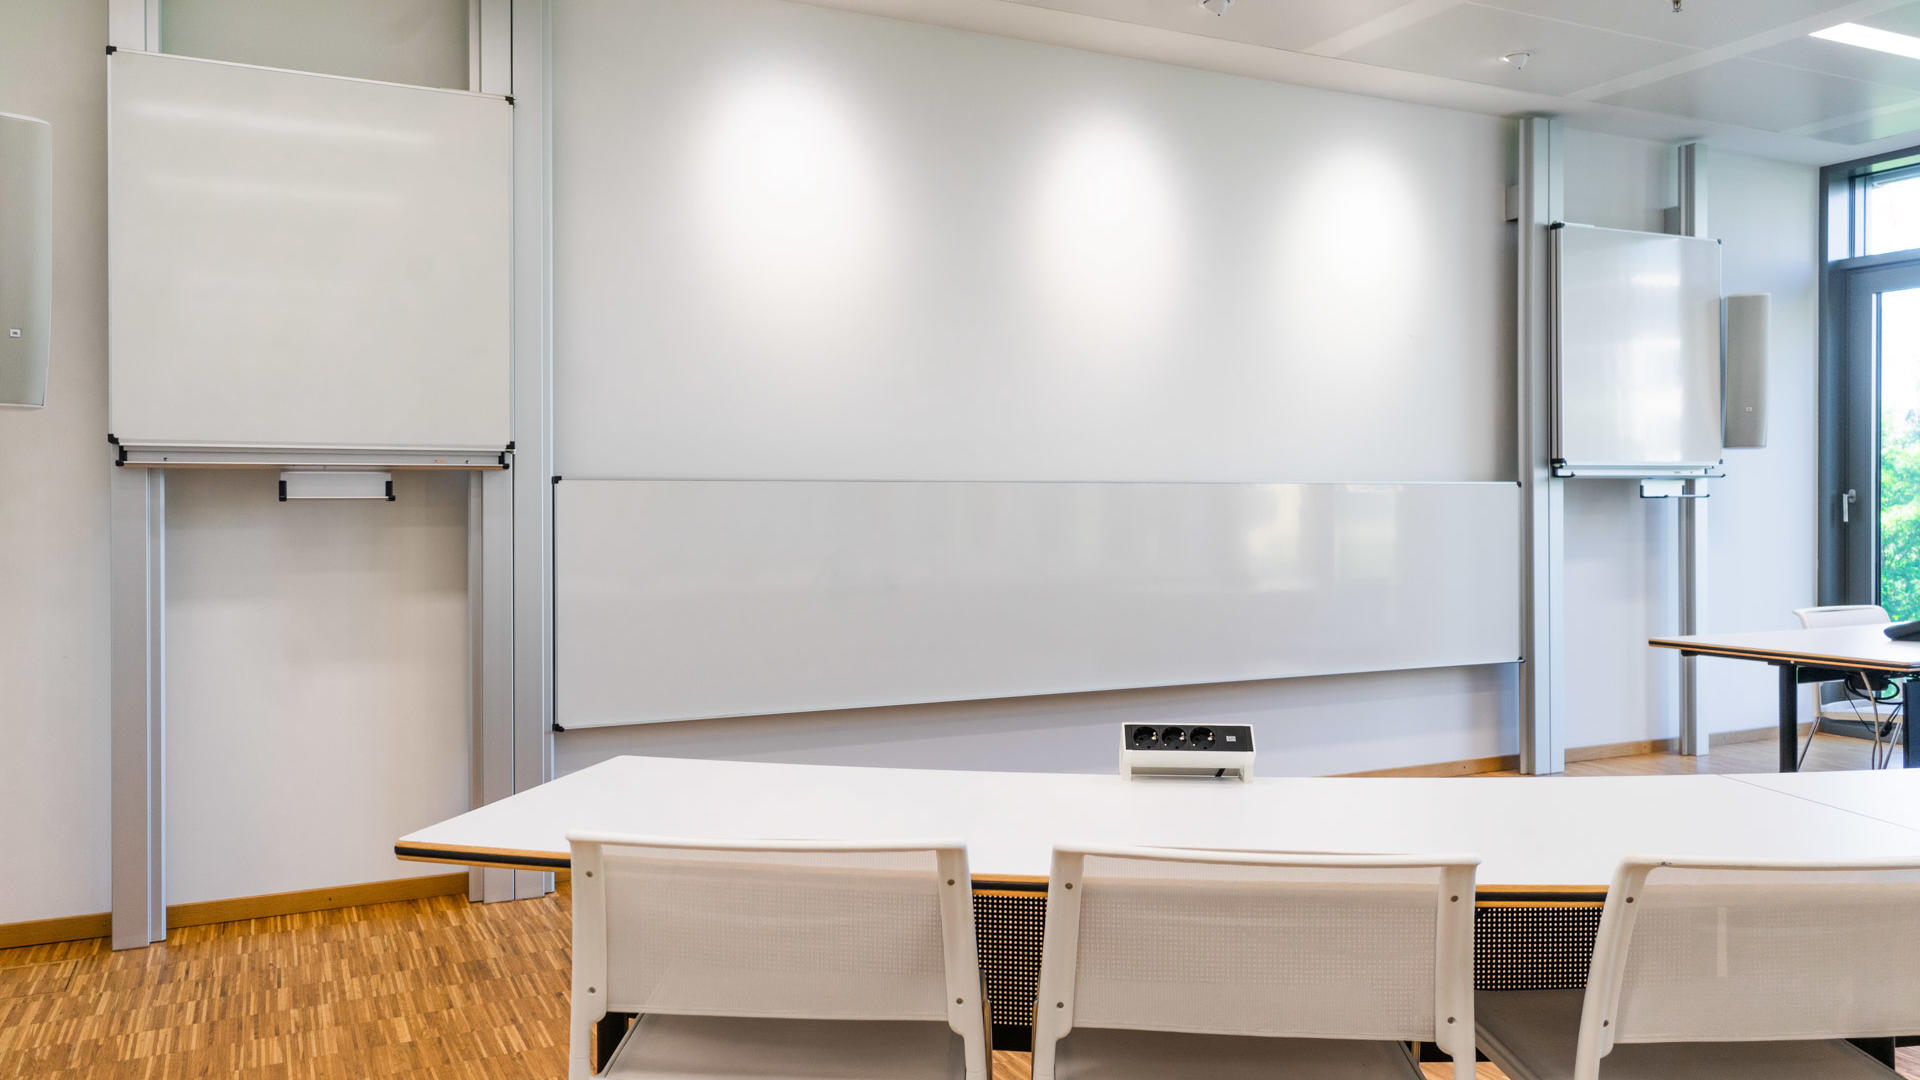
{"x": 1700, "y": 23}
{"x": 1279, "y": 24}
{"x": 1850, "y": 61}
{"x": 1877, "y": 126}
{"x": 1756, "y": 94}
{"x": 1467, "y": 42}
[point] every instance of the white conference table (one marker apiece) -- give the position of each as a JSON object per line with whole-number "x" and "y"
{"x": 1822, "y": 654}
{"x": 1553, "y": 835}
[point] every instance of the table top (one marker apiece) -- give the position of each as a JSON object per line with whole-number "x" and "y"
{"x": 1889, "y": 795}
{"x": 1532, "y": 834}
{"x": 1850, "y": 648}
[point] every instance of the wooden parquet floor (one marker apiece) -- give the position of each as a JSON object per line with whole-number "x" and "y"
{"x": 434, "y": 989}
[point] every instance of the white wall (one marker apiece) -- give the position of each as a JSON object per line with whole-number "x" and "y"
{"x": 316, "y": 702}
{"x": 53, "y": 581}
{"x": 53, "y": 497}
{"x": 1622, "y": 553}
{"x": 315, "y": 715}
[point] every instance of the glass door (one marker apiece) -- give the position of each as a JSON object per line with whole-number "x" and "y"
{"x": 1876, "y": 511}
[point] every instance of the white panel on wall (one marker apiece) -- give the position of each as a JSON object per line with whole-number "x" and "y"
{"x": 316, "y": 681}
{"x": 302, "y": 260}
{"x": 680, "y": 599}
{"x": 809, "y": 244}
{"x": 406, "y": 41}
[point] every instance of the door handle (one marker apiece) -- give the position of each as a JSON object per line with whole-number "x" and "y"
{"x": 1846, "y": 505}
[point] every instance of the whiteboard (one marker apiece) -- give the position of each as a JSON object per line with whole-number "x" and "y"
{"x": 1637, "y": 359}
{"x": 300, "y": 260}
{"x": 800, "y": 243}
{"x": 684, "y": 599}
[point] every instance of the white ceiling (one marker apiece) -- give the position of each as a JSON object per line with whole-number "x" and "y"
{"x": 1741, "y": 73}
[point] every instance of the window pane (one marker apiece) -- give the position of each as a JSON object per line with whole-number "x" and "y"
{"x": 1892, "y": 214}
{"x": 423, "y": 42}
{"x": 1900, "y": 453}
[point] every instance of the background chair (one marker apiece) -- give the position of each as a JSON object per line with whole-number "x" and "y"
{"x": 771, "y": 959}
{"x": 1710, "y": 970}
{"x": 1222, "y": 965}
{"x": 1863, "y": 695}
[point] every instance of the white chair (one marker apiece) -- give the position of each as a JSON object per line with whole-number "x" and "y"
{"x": 1223, "y": 965}
{"x": 771, "y": 959}
{"x": 1712, "y": 971}
{"x": 1860, "y": 688}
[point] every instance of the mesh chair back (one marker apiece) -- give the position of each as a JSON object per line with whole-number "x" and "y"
{"x": 1242, "y": 943}
{"x": 1812, "y": 618}
{"x": 1702, "y": 952}
{"x": 797, "y": 930}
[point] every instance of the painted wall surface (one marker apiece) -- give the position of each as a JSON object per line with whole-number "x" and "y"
{"x": 323, "y": 706}
{"x": 317, "y": 668}
{"x": 1622, "y": 551}
{"x": 53, "y": 496}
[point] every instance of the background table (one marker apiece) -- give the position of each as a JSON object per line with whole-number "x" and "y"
{"x": 1826, "y": 654}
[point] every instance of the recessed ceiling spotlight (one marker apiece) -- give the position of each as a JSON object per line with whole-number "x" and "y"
{"x": 1520, "y": 59}
{"x": 1866, "y": 37}
{"x": 1218, "y": 7}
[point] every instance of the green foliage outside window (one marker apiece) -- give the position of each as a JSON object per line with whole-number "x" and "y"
{"x": 1900, "y": 515}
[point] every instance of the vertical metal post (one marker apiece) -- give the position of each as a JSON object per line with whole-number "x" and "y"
{"x": 137, "y": 603}
{"x": 1789, "y": 718}
{"x": 490, "y": 656}
{"x": 134, "y": 24}
{"x": 533, "y": 463}
{"x": 1539, "y": 204}
{"x": 1693, "y": 511}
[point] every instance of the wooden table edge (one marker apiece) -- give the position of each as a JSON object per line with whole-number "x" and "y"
{"x": 1012, "y": 884}
{"x": 1846, "y": 663}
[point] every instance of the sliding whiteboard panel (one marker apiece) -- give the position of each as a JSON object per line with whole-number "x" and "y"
{"x": 302, "y": 260}
{"x": 683, "y": 599}
{"x": 800, "y": 243}
{"x": 1637, "y": 370}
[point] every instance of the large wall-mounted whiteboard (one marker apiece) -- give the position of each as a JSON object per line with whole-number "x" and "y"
{"x": 800, "y": 243}
{"x": 683, "y": 599}
{"x": 299, "y": 260}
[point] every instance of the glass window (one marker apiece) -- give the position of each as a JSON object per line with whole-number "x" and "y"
{"x": 1890, "y": 212}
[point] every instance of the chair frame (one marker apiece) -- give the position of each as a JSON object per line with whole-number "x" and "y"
{"x": 967, "y": 1008}
{"x": 1607, "y": 974}
{"x": 1453, "y": 945}
{"x": 1896, "y": 711}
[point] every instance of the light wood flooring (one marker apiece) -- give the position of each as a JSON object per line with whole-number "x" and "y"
{"x": 437, "y": 988}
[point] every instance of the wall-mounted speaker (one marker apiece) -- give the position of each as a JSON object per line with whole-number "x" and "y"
{"x": 1747, "y": 347}
{"x": 26, "y": 258}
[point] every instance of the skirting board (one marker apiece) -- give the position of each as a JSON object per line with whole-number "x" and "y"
{"x": 1508, "y": 762}
{"x": 80, "y": 927}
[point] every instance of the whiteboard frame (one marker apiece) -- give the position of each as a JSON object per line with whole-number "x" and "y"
{"x": 1570, "y": 465}
{"x": 145, "y": 447}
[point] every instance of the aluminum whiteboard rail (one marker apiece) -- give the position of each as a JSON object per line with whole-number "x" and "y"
{"x": 250, "y": 457}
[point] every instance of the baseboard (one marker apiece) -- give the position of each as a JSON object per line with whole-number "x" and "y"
{"x": 304, "y": 900}
{"x": 1633, "y": 748}
{"x": 1746, "y": 735}
{"x": 1467, "y": 767}
{"x": 81, "y": 927}
{"x": 19, "y": 935}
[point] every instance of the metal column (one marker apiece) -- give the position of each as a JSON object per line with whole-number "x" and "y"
{"x": 1693, "y": 507}
{"x": 138, "y": 612}
{"x": 532, "y": 410}
{"x": 1538, "y": 205}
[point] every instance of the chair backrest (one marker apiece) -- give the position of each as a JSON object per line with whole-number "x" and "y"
{"x": 1812, "y": 618}
{"x": 1257, "y": 943}
{"x": 803, "y": 930}
{"x": 1700, "y": 951}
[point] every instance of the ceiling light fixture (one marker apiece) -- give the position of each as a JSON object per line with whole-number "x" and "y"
{"x": 1218, "y": 7}
{"x": 1866, "y": 37}
{"x": 1519, "y": 59}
